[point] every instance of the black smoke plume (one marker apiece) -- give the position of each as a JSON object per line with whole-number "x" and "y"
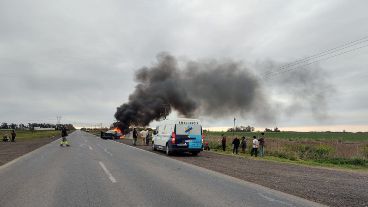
{"x": 209, "y": 88}
{"x": 219, "y": 89}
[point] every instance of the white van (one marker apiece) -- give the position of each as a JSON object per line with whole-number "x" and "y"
{"x": 179, "y": 135}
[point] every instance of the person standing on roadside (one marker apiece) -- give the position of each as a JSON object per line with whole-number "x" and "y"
{"x": 223, "y": 143}
{"x": 255, "y": 147}
{"x": 261, "y": 141}
{"x": 135, "y": 136}
{"x": 243, "y": 144}
{"x": 13, "y": 135}
{"x": 144, "y": 136}
{"x": 236, "y": 143}
{"x": 148, "y": 137}
{"x": 64, "y": 134}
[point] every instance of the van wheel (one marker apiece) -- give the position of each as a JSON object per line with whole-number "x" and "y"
{"x": 167, "y": 150}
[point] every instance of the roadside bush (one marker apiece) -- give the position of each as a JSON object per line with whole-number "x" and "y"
{"x": 322, "y": 152}
{"x": 345, "y": 161}
{"x": 215, "y": 146}
{"x": 283, "y": 154}
{"x": 365, "y": 151}
{"x": 304, "y": 151}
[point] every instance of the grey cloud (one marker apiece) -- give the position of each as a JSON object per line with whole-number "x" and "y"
{"x": 90, "y": 50}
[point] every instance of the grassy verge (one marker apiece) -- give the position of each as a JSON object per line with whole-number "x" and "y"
{"x": 336, "y": 163}
{"x": 27, "y": 135}
{"x": 345, "y": 136}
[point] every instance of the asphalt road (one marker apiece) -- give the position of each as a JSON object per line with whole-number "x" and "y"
{"x": 96, "y": 172}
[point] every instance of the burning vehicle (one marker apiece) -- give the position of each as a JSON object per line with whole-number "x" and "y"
{"x": 115, "y": 133}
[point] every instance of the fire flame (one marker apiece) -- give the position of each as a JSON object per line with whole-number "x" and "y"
{"x": 119, "y": 131}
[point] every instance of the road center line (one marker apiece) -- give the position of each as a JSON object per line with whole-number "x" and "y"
{"x": 112, "y": 179}
{"x": 108, "y": 152}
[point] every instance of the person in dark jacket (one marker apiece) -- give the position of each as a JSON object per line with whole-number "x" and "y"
{"x": 13, "y": 135}
{"x": 236, "y": 143}
{"x": 135, "y": 136}
{"x": 64, "y": 134}
{"x": 243, "y": 144}
{"x": 261, "y": 141}
{"x": 148, "y": 137}
{"x": 223, "y": 143}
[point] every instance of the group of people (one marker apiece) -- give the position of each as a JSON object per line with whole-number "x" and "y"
{"x": 13, "y": 135}
{"x": 145, "y": 135}
{"x": 257, "y": 145}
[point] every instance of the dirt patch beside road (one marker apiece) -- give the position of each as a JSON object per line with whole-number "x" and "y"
{"x": 326, "y": 186}
{"x": 11, "y": 150}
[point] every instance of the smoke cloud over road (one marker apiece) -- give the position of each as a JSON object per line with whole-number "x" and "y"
{"x": 196, "y": 88}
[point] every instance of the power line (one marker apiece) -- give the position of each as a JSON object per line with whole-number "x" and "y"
{"x": 321, "y": 54}
{"x": 301, "y": 66}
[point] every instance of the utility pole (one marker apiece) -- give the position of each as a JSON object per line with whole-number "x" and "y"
{"x": 58, "y": 121}
{"x": 234, "y": 126}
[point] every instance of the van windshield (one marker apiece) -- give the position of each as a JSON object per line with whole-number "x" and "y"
{"x": 188, "y": 129}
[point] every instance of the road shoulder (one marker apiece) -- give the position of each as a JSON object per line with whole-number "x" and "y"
{"x": 327, "y": 186}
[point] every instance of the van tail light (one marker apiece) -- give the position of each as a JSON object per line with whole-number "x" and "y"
{"x": 203, "y": 138}
{"x": 173, "y": 137}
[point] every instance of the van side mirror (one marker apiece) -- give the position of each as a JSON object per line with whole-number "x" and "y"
{"x": 154, "y": 132}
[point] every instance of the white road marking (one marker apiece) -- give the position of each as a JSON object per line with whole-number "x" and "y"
{"x": 108, "y": 152}
{"x": 104, "y": 149}
{"x": 112, "y": 179}
{"x": 233, "y": 179}
{"x": 90, "y": 147}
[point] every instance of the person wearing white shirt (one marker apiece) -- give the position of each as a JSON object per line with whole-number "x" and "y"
{"x": 144, "y": 135}
{"x": 255, "y": 146}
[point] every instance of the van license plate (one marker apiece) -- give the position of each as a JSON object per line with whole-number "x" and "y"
{"x": 182, "y": 144}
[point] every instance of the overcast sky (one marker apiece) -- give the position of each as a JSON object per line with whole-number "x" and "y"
{"x": 77, "y": 58}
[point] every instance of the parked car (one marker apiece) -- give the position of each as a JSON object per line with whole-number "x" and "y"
{"x": 111, "y": 134}
{"x": 179, "y": 135}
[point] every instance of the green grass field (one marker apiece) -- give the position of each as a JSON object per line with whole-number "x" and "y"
{"x": 343, "y": 136}
{"x": 317, "y": 148}
{"x": 26, "y": 134}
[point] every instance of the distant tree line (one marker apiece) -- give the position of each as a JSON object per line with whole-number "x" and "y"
{"x": 241, "y": 129}
{"x": 31, "y": 126}
{"x": 250, "y": 129}
{"x": 274, "y": 130}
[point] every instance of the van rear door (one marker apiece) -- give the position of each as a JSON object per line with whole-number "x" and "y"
{"x": 189, "y": 135}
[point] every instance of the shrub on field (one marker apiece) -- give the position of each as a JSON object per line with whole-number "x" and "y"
{"x": 304, "y": 151}
{"x": 365, "y": 151}
{"x": 215, "y": 146}
{"x": 307, "y": 151}
{"x": 323, "y": 152}
{"x": 345, "y": 161}
{"x": 284, "y": 154}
